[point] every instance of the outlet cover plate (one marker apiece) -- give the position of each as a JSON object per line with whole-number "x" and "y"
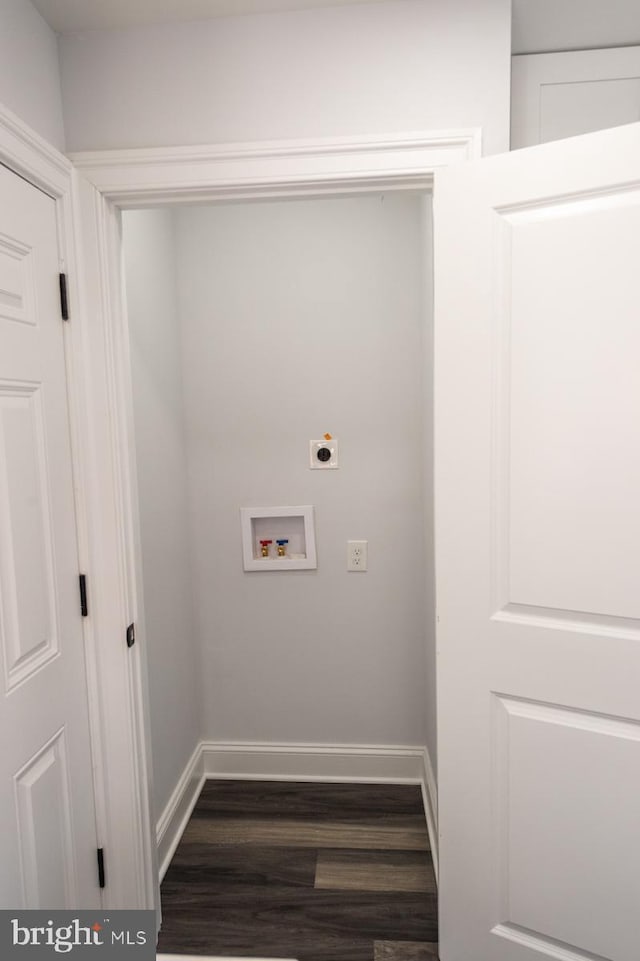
{"x": 316, "y": 462}
{"x": 357, "y": 555}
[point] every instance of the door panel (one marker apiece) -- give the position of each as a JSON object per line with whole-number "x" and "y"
{"x": 26, "y": 564}
{"x": 16, "y": 282}
{"x": 45, "y": 833}
{"x": 46, "y": 790}
{"x": 538, "y": 551}
{"x": 555, "y": 848}
{"x": 573, "y": 406}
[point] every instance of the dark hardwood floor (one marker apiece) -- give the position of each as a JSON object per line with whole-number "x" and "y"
{"x": 311, "y": 871}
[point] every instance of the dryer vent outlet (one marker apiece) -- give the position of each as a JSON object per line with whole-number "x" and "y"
{"x": 323, "y": 454}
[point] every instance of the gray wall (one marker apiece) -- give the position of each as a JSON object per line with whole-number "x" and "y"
{"x": 29, "y": 75}
{"x": 173, "y": 653}
{"x": 369, "y": 68}
{"x": 300, "y": 318}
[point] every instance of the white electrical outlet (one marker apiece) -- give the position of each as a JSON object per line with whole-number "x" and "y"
{"x": 357, "y": 555}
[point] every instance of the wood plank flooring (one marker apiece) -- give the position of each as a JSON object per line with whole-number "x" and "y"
{"x": 312, "y": 871}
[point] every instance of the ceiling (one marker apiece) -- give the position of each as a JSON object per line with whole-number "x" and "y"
{"x": 538, "y": 25}
{"x": 68, "y": 16}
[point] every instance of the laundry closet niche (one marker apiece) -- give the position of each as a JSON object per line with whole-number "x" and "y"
{"x": 254, "y": 328}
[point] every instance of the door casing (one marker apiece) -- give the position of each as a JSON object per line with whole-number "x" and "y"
{"x": 92, "y": 190}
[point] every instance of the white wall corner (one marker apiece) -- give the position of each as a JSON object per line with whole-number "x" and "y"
{"x": 175, "y": 817}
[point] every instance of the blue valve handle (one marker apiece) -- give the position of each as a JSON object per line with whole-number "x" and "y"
{"x": 283, "y": 541}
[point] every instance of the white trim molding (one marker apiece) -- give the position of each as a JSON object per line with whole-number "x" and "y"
{"x": 175, "y": 817}
{"x": 32, "y": 157}
{"x": 275, "y": 169}
{"x": 430, "y": 801}
{"x": 312, "y": 762}
{"x": 104, "y": 184}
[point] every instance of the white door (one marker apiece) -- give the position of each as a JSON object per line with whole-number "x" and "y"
{"x": 537, "y": 260}
{"x": 48, "y": 847}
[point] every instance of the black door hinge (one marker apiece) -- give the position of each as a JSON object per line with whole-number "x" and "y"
{"x": 64, "y": 303}
{"x": 131, "y": 635}
{"x": 100, "y": 853}
{"x": 84, "y": 608}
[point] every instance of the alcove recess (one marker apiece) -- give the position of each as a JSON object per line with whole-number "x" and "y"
{"x": 296, "y": 524}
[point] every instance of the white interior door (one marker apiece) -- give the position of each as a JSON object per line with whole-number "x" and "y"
{"x": 559, "y": 95}
{"x": 48, "y": 848}
{"x": 537, "y": 259}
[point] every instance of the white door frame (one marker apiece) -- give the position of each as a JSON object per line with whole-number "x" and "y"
{"x": 27, "y": 154}
{"x": 105, "y": 183}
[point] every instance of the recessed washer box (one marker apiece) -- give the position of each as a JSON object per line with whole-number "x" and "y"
{"x": 295, "y": 524}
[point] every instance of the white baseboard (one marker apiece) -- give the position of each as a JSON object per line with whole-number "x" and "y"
{"x": 294, "y": 762}
{"x": 312, "y": 762}
{"x": 174, "y": 818}
{"x": 430, "y": 801}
